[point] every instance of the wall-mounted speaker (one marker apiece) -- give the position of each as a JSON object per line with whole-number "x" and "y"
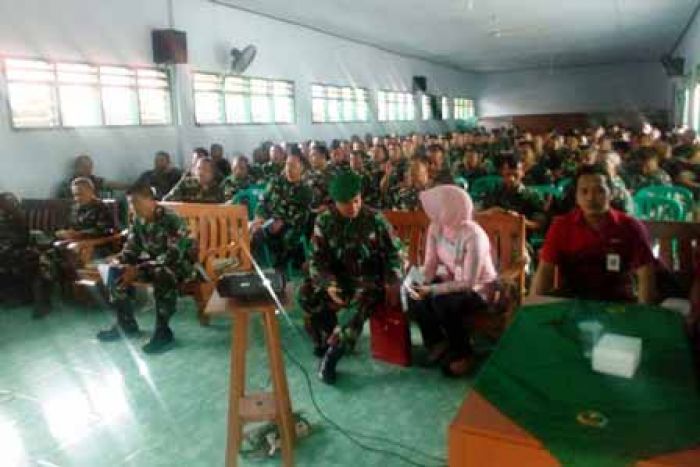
{"x": 674, "y": 66}
{"x": 420, "y": 84}
{"x": 169, "y": 46}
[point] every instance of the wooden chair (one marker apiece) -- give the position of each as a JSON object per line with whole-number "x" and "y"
{"x": 411, "y": 227}
{"x": 221, "y": 233}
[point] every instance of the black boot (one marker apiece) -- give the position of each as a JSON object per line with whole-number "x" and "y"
{"x": 326, "y": 369}
{"x": 162, "y": 339}
{"x": 41, "y": 291}
{"x": 126, "y": 325}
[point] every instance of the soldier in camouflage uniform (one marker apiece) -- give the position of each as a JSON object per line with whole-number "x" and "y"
{"x": 200, "y": 187}
{"x": 89, "y": 218}
{"x": 417, "y": 179}
{"x": 282, "y": 215}
{"x": 471, "y": 166}
{"x": 239, "y": 179}
{"x": 163, "y": 177}
{"x": 370, "y": 193}
{"x": 317, "y": 177}
{"x": 18, "y": 262}
{"x": 339, "y": 159}
{"x": 83, "y": 167}
{"x": 272, "y": 170}
{"x": 355, "y": 265}
{"x": 512, "y": 195}
{"x": 159, "y": 250}
{"x": 650, "y": 172}
{"x": 440, "y": 173}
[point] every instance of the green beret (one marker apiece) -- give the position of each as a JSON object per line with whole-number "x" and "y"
{"x": 344, "y": 186}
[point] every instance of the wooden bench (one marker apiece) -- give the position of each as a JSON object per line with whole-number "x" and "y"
{"x": 50, "y": 215}
{"x": 220, "y": 232}
{"x": 506, "y": 234}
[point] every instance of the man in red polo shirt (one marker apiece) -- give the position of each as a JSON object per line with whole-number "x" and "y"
{"x": 596, "y": 249}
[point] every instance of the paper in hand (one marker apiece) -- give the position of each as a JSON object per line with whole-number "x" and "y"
{"x": 109, "y": 274}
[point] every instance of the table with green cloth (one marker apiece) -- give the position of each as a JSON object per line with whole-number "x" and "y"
{"x": 539, "y": 378}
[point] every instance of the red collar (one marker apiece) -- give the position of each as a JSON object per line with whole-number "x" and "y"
{"x": 613, "y": 216}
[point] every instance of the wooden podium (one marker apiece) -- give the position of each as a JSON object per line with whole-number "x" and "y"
{"x": 263, "y": 406}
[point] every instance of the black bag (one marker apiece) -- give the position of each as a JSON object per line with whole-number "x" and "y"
{"x": 248, "y": 285}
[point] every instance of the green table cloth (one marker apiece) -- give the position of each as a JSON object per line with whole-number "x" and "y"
{"x": 539, "y": 378}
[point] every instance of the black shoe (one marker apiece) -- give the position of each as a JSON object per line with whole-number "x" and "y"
{"x": 118, "y": 331}
{"x": 320, "y": 350}
{"x": 326, "y": 369}
{"x": 161, "y": 341}
{"x": 41, "y": 310}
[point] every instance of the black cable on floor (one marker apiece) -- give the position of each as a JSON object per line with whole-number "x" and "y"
{"x": 349, "y": 436}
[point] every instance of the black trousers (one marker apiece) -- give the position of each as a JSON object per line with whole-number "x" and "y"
{"x": 442, "y": 318}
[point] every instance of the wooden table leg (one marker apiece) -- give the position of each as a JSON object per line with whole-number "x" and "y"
{"x": 285, "y": 418}
{"x": 236, "y": 386}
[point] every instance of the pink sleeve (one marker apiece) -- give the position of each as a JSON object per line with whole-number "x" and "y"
{"x": 477, "y": 266}
{"x": 430, "y": 262}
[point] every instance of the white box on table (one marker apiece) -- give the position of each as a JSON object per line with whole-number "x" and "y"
{"x": 617, "y": 355}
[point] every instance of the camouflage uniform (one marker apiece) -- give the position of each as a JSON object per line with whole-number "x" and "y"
{"x": 65, "y": 192}
{"x": 290, "y": 203}
{"x": 538, "y": 175}
{"x": 59, "y": 264}
{"x": 443, "y": 176}
{"x": 455, "y": 155}
{"x": 660, "y": 177}
{"x": 469, "y": 174}
{"x": 272, "y": 171}
{"x": 404, "y": 199}
{"x": 18, "y": 263}
{"x": 521, "y": 200}
{"x": 255, "y": 172}
{"x": 332, "y": 168}
{"x": 232, "y": 185}
{"x": 189, "y": 190}
{"x": 370, "y": 192}
{"x": 317, "y": 181}
{"x": 161, "y": 181}
{"x": 357, "y": 255}
{"x": 162, "y": 252}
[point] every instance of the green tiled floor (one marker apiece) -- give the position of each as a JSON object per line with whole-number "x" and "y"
{"x": 68, "y": 400}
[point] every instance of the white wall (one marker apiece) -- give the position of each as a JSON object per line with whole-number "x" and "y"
{"x": 689, "y": 49}
{"x": 118, "y": 32}
{"x": 627, "y": 87}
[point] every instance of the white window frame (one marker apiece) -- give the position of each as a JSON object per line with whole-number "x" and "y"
{"x": 426, "y": 109}
{"x": 395, "y": 106}
{"x": 247, "y": 88}
{"x": 60, "y": 76}
{"x": 445, "y": 108}
{"x": 348, "y": 101}
{"x": 463, "y": 108}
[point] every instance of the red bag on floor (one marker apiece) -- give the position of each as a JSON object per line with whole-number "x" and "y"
{"x": 390, "y": 335}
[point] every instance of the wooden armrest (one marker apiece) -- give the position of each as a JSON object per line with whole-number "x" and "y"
{"x": 85, "y": 247}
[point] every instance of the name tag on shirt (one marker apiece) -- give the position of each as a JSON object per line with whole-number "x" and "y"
{"x": 613, "y": 262}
